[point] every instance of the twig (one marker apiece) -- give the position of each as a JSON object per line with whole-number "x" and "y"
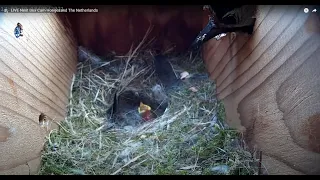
{"x": 29, "y": 168}
{"x": 131, "y": 161}
{"x": 70, "y": 94}
{"x": 136, "y": 49}
{"x": 260, "y": 159}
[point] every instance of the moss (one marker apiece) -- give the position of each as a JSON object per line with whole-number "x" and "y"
{"x": 53, "y": 167}
{"x": 221, "y": 114}
{"x": 165, "y": 169}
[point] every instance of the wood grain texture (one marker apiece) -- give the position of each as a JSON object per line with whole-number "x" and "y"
{"x": 35, "y": 76}
{"x": 269, "y": 83}
{"x": 117, "y": 28}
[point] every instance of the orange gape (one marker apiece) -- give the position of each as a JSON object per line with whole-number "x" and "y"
{"x": 146, "y": 116}
{"x": 145, "y": 112}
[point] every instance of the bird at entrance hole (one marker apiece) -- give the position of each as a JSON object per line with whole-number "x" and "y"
{"x": 226, "y": 19}
{"x": 145, "y": 112}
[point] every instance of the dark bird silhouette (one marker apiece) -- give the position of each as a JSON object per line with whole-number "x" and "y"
{"x": 149, "y": 107}
{"x": 165, "y": 71}
{"x": 224, "y": 19}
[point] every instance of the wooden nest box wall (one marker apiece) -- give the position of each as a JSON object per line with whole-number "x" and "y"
{"x": 35, "y": 75}
{"x": 269, "y": 81}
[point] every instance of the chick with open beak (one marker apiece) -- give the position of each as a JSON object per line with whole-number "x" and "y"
{"x": 145, "y": 112}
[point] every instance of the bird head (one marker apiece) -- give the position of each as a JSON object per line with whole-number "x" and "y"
{"x": 143, "y": 108}
{"x": 145, "y": 111}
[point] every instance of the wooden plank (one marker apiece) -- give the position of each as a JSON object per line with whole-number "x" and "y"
{"x": 35, "y": 76}
{"x": 173, "y": 26}
{"x": 270, "y": 87}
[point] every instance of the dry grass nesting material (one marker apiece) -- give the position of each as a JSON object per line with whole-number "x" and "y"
{"x": 189, "y": 138}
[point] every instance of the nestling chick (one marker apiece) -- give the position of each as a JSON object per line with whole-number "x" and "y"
{"x": 145, "y": 112}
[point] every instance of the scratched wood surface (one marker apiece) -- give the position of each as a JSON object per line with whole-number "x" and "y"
{"x": 35, "y": 76}
{"x": 270, "y": 83}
